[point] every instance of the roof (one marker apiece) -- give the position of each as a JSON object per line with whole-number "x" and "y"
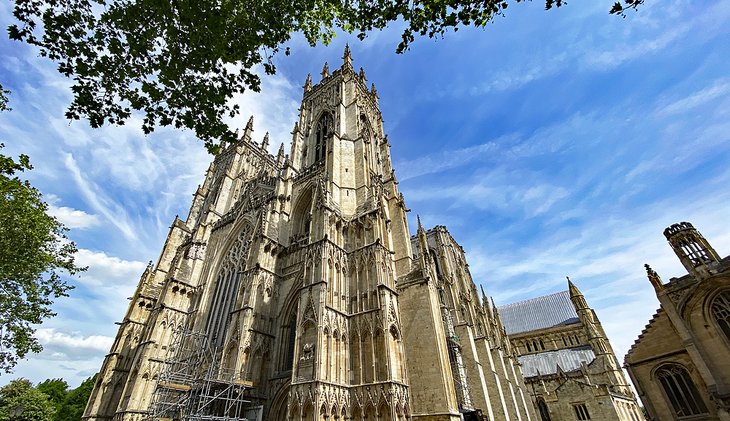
{"x": 547, "y": 362}
{"x": 538, "y": 313}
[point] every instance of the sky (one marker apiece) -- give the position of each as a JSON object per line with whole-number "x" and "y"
{"x": 550, "y": 143}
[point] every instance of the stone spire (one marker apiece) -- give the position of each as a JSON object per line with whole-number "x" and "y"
{"x": 325, "y": 71}
{"x": 249, "y": 125}
{"x": 362, "y": 75}
{"x": 654, "y": 278}
{"x": 308, "y": 83}
{"x": 576, "y": 296}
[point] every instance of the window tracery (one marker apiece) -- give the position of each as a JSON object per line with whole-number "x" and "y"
{"x": 228, "y": 279}
{"x": 720, "y": 310}
{"x": 680, "y": 390}
{"x": 323, "y": 131}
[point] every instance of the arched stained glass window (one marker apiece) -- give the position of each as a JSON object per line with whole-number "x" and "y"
{"x": 680, "y": 391}
{"x": 721, "y": 312}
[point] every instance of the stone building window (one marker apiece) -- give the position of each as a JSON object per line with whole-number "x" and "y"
{"x": 721, "y": 312}
{"x": 543, "y": 410}
{"x": 581, "y": 411}
{"x": 323, "y": 131}
{"x": 680, "y": 391}
{"x": 289, "y": 362}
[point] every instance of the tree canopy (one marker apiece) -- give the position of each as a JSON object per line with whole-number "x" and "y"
{"x": 34, "y": 252}
{"x": 74, "y": 404}
{"x": 20, "y": 401}
{"x": 180, "y": 62}
{"x": 49, "y": 401}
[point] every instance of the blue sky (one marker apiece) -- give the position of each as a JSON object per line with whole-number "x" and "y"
{"x": 550, "y": 144}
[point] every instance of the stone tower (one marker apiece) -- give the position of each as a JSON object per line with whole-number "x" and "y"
{"x": 291, "y": 292}
{"x": 679, "y": 363}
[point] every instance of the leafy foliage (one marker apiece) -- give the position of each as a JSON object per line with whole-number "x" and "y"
{"x": 73, "y": 406}
{"x": 55, "y": 389}
{"x": 180, "y": 62}
{"x": 19, "y": 401}
{"x": 34, "y": 250}
{"x": 3, "y": 98}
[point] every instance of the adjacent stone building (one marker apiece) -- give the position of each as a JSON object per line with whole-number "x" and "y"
{"x": 570, "y": 369}
{"x": 294, "y": 291}
{"x": 680, "y": 364}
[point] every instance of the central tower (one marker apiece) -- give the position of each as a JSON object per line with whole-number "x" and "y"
{"x": 340, "y": 317}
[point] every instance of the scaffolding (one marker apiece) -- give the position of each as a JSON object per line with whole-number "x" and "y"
{"x": 192, "y": 386}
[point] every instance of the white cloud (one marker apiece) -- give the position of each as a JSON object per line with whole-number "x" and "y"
{"x": 107, "y": 270}
{"x": 274, "y": 109}
{"x": 73, "y": 343}
{"x": 112, "y": 211}
{"x": 718, "y": 89}
{"x": 73, "y": 218}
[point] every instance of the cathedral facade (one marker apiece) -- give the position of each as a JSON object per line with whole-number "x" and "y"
{"x": 294, "y": 291}
{"x": 569, "y": 366}
{"x": 680, "y": 364}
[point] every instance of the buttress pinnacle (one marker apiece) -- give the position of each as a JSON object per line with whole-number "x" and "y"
{"x": 308, "y": 83}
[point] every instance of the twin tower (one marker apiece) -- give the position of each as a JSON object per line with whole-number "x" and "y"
{"x": 294, "y": 291}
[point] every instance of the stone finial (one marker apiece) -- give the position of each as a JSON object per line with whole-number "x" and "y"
{"x": 347, "y": 57}
{"x": 265, "y": 142}
{"x": 373, "y": 90}
{"x": 308, "y": 83}
{"x": 362, "y": 75}
{"x": 325, "y": 70}
{"x": 280, "y": 154}
{"x": 249, "y": 125}
{"x": 654, "y": 278}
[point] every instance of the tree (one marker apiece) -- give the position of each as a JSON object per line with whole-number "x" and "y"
{"x": 34, "y": 252}
{"x": 180, "y": 62}
{"x": 56, "y": 390}
{"x": 19, "y": 401}
{"x": 73, "y": 406}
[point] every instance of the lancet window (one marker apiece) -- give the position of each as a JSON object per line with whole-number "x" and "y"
{"x": 721, "y": 312}
{"x": 543, "y": 409}
{"x": 680, "y": 391}
{"x": 323, "y": 131}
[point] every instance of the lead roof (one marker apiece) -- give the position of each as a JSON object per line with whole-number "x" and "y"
{"x": 538, "y": 313}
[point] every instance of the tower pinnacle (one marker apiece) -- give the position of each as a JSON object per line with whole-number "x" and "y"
{"x": 347, "y": 57}
{"x": 308, "y": 83}
{"x": 576, "y": 296}
{"x": 325, "y": 70}
{"x": 654, "y": 278}
{"x": 265, "y": 142}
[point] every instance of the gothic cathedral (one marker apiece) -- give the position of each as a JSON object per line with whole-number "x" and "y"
{"x": 294, "y": 291}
